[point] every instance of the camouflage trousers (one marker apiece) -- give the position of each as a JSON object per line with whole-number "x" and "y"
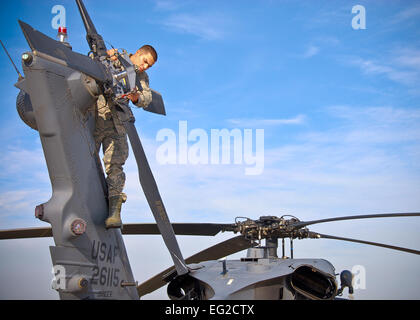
{"x": 115, "y": 150}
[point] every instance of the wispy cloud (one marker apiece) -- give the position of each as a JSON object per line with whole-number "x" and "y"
{"x": 328, "y": 40}
{"x": 261, "y": 123}
{"x": 205, "y": 26}
{"x": 409, "y": 58}
{"x": 13, "y": 159}
{"x": 370, "y": 128}
{"x": 311, "y": 51}
{"x": 384, "y": 115}
{"x": 407, "y": 14}
{"x": 170, "y": 5}
{"x": 402, "y": 66}
{"x": 17, "y": 207}
{"x": 25, "y": 184}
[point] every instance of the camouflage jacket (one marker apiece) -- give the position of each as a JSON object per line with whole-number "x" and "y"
{"x": 107, "y": 111}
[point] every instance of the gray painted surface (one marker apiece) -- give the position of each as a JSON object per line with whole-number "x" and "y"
{"x": 61, "y": 102}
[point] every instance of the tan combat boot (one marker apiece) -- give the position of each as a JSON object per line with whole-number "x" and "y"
{"x": 114, "y": 220}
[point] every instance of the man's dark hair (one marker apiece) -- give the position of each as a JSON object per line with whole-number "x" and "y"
{"x": 149, "y": 49}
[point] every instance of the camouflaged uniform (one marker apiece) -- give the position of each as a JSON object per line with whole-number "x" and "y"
{"x": 110, "y": 132}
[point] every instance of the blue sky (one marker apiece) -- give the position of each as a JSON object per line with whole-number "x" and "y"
{"x": 339, "y": 108}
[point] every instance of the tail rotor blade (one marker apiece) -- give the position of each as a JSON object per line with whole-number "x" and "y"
{"x": 95, "y": 41}
{"x": 89, "y": 26}
{"x": 154, "y": 199}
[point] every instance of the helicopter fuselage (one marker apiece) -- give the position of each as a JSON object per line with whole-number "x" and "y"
{"x": 257, "y": 277}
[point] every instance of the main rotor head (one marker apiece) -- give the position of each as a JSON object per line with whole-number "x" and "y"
{"x": 269, "y": 227}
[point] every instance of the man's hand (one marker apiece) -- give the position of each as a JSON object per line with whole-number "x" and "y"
{"x": 112, "y": 53}
{"x": 134, "y": 97}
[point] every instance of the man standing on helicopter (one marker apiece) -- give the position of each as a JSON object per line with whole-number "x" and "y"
{"x": 111, "y": 134}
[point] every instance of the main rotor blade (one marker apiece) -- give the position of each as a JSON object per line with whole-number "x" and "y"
{"x": 185, "y": 229}
{"x": 301, "y": 224}
{"x": 215, "y": 252}
{"x": 25, "y": 233}
{"x": 325, "y": 236}
{"x": 154, "y": 199}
